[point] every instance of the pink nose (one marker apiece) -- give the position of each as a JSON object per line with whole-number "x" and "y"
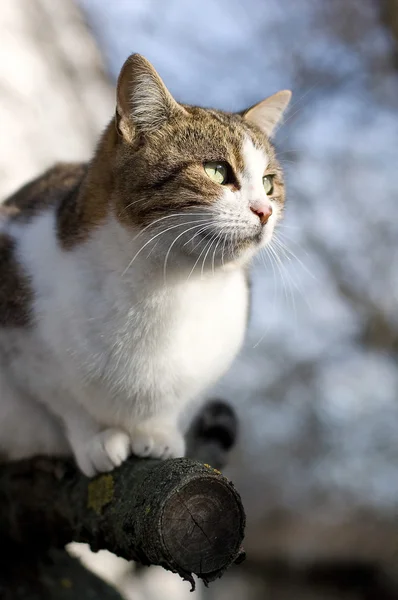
{"x": 263, "y": 211}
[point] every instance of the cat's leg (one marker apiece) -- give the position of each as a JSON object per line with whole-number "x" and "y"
{"x": 102, "y": 451}
{"x": 96, "y": 450}
{"x": 158, "y": 437}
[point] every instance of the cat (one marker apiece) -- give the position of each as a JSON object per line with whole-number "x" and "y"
{"x": 123, "y": 282}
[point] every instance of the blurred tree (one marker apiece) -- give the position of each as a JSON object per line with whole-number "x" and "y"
{"x": 54, "y": 94}
{"x": 389, "y": 16}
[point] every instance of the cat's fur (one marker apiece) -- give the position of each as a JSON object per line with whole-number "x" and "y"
{"x": 123, "y": 290}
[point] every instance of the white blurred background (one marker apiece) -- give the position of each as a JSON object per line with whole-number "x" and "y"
{"x": 316, "y": 385}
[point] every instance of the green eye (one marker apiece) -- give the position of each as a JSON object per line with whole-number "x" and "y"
{"x": 218, "y": 172}
{"x": 268, "y": 184}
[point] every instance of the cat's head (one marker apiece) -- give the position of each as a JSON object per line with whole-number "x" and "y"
{"x": 195, "y": 181}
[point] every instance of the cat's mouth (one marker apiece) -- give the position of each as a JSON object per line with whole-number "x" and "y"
{"x": 235, "y": 236}
{"x": 232, "y": 243}
{"x": 250, "y": 241}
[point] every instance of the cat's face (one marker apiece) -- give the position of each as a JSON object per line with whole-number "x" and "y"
{"x": 195, "y": 181}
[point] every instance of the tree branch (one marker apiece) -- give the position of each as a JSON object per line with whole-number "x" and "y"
{"x": 180, "y": 514}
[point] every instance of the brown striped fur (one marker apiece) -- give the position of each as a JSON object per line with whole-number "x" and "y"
{"x": 15, "y": 289}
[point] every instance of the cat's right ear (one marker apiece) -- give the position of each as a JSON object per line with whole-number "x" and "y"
{"x": 268, "y": 113}
{"x": 143, "y": 102}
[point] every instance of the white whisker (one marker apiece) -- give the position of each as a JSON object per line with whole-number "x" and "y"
{"x": 193, "y": 237}
{"x": 215, "y": 249}
{"x": 174, "y": 215}
{"x": 197, "y": 260}
{"x": 284, "y": 277}
{"x": 226, "y": 238}
{"x": 287, "y": 250}
{"x": 151, "y": 240}
{"x": 213, "y": 238}
{"x": 174, "y": 241}
{"x": 274, "y": 279}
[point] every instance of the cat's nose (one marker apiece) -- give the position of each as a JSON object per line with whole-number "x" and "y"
{"x": 262, "y": 210}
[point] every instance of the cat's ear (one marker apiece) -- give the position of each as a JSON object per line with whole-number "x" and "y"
{"x": 143, "y": 101}
{"x": 268, "y": 113}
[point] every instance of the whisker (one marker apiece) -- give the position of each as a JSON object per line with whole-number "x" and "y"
{"x": 174, "y": 241}
{"x": 153, "y": 238}
{"x": 215, "y": 249}
{"x": 131, "y": 204}
{"x": 274, "y": 279}
{"x": 284, "y": 226}
{"x": 297, "y": 110}
{"x": 291, "y": 278}
{"x": 197, "y": 260}
{"x": 285, "y": 280}
{"x": 212, "y": 239}
{"x": 194, "y": 236}
{"x": 288, "y": 251}
{"x": 223, "y": 250}
{"x": 174, "y": 215}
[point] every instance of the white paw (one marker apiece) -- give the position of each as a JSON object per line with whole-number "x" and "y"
{"x": 157, "y": 440}
{"x": 103, "y": 452}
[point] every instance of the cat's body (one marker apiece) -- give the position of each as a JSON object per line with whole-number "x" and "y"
{"x": 121, "y": 301}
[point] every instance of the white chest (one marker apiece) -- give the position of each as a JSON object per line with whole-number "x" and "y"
{"x": 182, "y": 342}
{"x": 211, "y": 325}
{"x": 131, "y": 346}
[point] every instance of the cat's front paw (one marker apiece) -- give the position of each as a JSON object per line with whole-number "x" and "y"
{"x": 103, "y": 452}
{"x": 156, "y": 439}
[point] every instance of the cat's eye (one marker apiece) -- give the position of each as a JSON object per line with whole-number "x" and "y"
{"x": 268, "y": 183}
{"x": 217, "y": 171}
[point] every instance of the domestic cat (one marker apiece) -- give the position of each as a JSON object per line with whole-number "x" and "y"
{"x": 123, "y": 282}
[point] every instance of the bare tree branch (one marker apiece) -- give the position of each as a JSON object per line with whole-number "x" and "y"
{"x": 180, "y": 514}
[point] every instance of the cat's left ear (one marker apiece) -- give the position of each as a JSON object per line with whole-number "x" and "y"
{"x": 268, "y": 113}
{"x": 143, "y": 102}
